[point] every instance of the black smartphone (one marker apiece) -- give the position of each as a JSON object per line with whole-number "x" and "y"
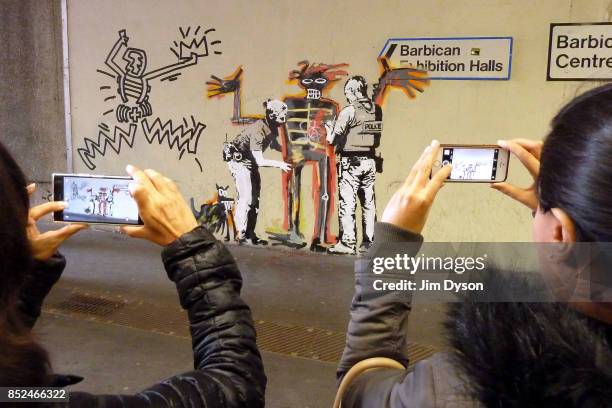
{"x": 474, "y": 163}
{"x": 95, "y": 199}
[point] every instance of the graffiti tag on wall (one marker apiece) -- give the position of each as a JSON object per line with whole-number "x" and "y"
{"x": 129, "y": 95}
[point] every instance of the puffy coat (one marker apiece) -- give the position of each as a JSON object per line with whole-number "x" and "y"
{"x": 503, "y": 354}
{"x": 228, "y": 370}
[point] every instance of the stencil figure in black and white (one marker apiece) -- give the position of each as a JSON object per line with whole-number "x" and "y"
{"x": 217, "y": 213}
{"x": 245, "y": 156}
{"x": 129, "y": 66}
{"x": 355, "y": 135}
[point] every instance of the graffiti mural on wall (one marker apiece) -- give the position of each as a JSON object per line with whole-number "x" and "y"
{"x": 302, "y": 142}
{"x": 355, "y": 134}
{"x": 232, "y": 83}
{"x": 244, "y": 156}
{"x": 217, "y": 214}
{"x": 317, "y": 133}
{"x": 305, "y": 143}
{"x": 130, "y": 93}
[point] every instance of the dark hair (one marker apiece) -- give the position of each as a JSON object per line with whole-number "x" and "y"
{"x": 23, "y": 362}
{"x": 576, "y": 164}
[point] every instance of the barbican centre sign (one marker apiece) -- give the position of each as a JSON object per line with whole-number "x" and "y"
{"x": 459, "y": 58}
{"x": 580, "y": 52}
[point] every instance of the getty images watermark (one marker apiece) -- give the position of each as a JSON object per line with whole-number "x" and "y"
{"x": 437, "y": 272}
{"x": 412, "y": 265}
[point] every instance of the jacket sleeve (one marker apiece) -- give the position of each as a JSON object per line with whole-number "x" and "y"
{"x": 228, "y": 367}
{"x": 38, "y": 283}
{"x": 378, "y": 319}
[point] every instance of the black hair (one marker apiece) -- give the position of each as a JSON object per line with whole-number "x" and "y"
{"x": 23, "y": 362}
{"x": 576, "y": 164}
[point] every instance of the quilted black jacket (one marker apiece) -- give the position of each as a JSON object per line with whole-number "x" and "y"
{"x": 228, "y": 367}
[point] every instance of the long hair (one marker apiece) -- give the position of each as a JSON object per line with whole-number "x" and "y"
{"x": 23, "y": 362}
{"x": 576, "y": 164}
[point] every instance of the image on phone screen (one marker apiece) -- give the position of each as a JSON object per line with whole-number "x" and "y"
{"x": 99, "y": 200}
{"x": 471, "y": 164}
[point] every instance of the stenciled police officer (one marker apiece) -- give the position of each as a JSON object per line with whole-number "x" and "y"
{"x": 244, "y": 155}
{"x": 355, "y": 134}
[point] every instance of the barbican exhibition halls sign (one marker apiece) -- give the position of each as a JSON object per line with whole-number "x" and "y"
{"x": 580, "y": 52}
{"x": 467, "y": 58}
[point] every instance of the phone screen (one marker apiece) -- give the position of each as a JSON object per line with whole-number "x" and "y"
{"x": 471, "y": 163}
{"x": 97, "y": 199}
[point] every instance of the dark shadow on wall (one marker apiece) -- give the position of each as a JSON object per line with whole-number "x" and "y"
{"x": 31, "y": 85}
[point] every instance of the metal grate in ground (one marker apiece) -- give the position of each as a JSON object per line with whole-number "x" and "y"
{"x": 291, "y": 340}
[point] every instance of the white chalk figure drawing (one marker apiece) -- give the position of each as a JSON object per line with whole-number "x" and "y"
{"x": 244, "y": 156}
{"x": 130, "y": 92}
{"x": 217, "y": 214}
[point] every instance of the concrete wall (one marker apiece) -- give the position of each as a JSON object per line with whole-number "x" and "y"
{"x": 31, "y": 94}
{"x": 267, "y": 39}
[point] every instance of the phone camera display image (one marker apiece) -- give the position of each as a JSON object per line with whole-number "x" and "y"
{"x": 93, "y": 199}
{"x": 471, "y": 164}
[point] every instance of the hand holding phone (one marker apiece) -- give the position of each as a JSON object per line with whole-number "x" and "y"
{"x": 528, "y": 152}
{"x": 409, "y": 206}
{"x": 163, "y": 209}
{"x": 44, "y": 245}
{"x": 473, "y": 163}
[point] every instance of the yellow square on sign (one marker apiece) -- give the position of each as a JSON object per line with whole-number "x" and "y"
{"x": 475, "y": 51}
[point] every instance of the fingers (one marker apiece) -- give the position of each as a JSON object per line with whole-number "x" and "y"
{"x": 31, "y": 188}
{"x": 507, "y": 189}
{"x": 53, "y": 239}
{"x": 139, "y": 176}
{"x": 134, "y": 232}
{"x": 524, "y": 197}
{"x": 69, "y": 230}
{"x": 46, "y": 208}
{"x": 64, "y": 233}
{"x": 426, "y": 163}
{"x": 438, "y": 179}
{"x": 415, "y": 168}
{"x": 161, "y": 183}
{"x": 529, "y": 161}
{"x": 532, "y": 146}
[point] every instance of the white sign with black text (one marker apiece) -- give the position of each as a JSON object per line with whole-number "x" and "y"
{"x": 467, "y": 58}
{"x": 580, "y": 51}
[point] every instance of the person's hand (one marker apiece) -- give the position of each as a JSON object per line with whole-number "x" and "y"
{"x": 409, "y": 206}
{"x": 162, "y": 208}
{"x": 44, "y": 245}
{"x": 528, "y": 152}
{"x": 284, "y": 166}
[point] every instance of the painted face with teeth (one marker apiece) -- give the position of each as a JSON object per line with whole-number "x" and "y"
{"x": 314, "y": 86}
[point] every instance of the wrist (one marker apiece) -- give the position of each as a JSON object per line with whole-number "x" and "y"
{"x": 179, "y": 232}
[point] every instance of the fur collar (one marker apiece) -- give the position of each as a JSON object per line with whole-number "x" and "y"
{"x": 531, "y": 354}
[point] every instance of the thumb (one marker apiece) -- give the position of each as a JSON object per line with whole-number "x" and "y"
{"x": 506, "y": 188}
{"x": 134, "y": 231}
{"x": 69, "y": 230}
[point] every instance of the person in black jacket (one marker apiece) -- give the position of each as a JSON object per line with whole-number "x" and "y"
{"x": 228, "y": 370}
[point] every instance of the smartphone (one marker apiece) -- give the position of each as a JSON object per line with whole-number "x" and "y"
{"x": 95, "y": 199}
{"x": 473, "y": 163}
